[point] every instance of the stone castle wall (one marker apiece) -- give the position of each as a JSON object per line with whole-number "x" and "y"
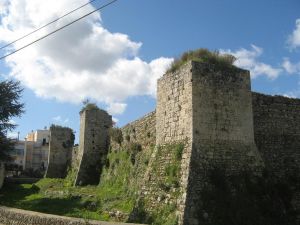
{"x": 277, "y": 136}
{"x": 60, "y": 151}
{"x": 174, "y": 106}
{"x": 75, "y": 158}
{"x": 142, "y": 130}
{"x": 223, "y": 135}
{"x": 277, "y": 132}
{"x": 223, "y": 124}
{"x": 174, "y": 121}
{"x": 93, "y": 145}
{"x": 173, "y": 124}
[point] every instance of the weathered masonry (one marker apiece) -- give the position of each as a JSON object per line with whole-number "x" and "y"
{"x": 277, "y": 136}
{"x": 211, "y": 110}
{"x": 93, "y": 145}
{"x": 60, "y": 151}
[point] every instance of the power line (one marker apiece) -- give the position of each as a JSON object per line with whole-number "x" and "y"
{"x": 68, "y": 24}
{"x": 34, "y": 31}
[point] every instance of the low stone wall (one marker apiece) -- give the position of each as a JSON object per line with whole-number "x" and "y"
{"x": 11, "y": 216}
{"x": 2, "y": 174}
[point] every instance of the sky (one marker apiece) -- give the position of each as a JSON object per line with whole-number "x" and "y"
{"x": 114, "y": 57}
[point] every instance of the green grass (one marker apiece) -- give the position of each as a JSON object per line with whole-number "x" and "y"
{"x": 31, "y": 197}
{"x": 53, "y": 198}
{"x": 117, "y": 191}
{"x": 222, "y": 61}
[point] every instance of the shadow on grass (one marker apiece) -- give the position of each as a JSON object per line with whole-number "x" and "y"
{"x": 26, "y": 196}
{"x": 10, "y": 194}
{"x": 57, "y": 206}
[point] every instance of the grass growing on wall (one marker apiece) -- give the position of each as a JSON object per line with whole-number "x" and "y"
{"x": 203, "y": 55}
{"x": 165, "y": 168}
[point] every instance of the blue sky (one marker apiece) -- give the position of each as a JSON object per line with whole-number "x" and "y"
{"x": 135, "y": 41}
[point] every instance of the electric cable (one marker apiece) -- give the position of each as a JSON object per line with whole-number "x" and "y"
{"x": 68, "y": 24}
{"x": 53, "y": 21}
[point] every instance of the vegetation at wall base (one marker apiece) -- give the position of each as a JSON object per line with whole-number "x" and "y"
{"x": 112, "y": 200}
{"x": 222, "y": 61}
{"x": 166, "y": 188}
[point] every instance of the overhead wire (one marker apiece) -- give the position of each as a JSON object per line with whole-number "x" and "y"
{"x": 41, "y": 27}
{"x": 68, "y": 24}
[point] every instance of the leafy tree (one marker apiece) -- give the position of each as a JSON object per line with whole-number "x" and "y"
{"x": 10, "y": 106}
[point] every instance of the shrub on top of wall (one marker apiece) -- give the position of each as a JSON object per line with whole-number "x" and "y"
{"x": 203, "y": 55}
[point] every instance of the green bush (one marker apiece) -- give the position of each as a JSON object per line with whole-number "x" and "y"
{"x": 178, "y": 150}
{"x": 116, "y": 135}
{"x": 203, "y": 55}
{"x": 89, "y": 106}
{"x": 134, "y": 148}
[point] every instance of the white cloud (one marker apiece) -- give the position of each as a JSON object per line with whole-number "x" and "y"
{"x": 12, "y": 135}
{"x": 60, "y": 120}
{"x": 115, "y": 120}
{"x": 294, "y": 39}
{"x": 11, "y": 121}
{"x": 291, "y": 68}
{"x": 56, "y": 118}
{"x": 82, "y": 61}
{"x": 248, "y": 59}
{"x": 3, "y": 6}
{"x": 116, "y": 108}
{"x": 292, "y": 94}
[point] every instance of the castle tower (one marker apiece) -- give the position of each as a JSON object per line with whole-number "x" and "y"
{"x": 93, "y": 145}
{"x": 60, "y": 151}
{"x": 211, "y": 110}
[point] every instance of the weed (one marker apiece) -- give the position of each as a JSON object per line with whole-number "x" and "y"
{"x": 203, "y": 55}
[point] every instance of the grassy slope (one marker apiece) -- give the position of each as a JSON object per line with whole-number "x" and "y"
{"x": 113, "y": 199}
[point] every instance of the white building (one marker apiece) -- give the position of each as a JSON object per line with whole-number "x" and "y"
{"x": 37, "y": 150}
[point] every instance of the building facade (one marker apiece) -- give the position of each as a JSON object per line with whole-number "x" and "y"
{"x": 36, "y": 150}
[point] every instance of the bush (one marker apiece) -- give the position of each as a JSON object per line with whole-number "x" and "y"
{"x": 134, "y": 148}
{"x": 89, "y": 106}
{"x": 178, "y": 151}
{"x": 116, "y": 135}
{"x": 203, "y": 55}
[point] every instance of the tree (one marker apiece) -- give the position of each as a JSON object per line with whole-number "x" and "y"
{"x": 10, "y": 106}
